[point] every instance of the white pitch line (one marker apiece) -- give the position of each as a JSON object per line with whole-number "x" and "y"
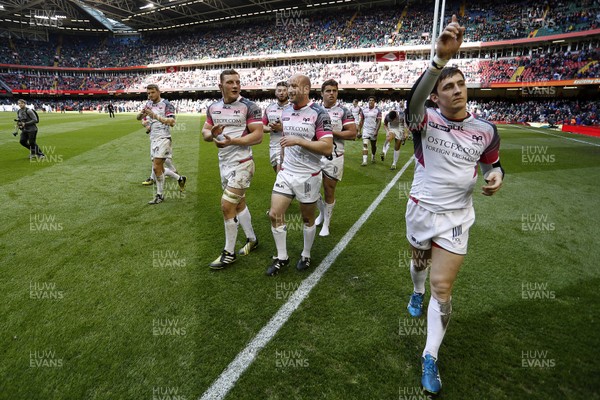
{"x": 228, "y": 378}
{"x": 558, "y": 136}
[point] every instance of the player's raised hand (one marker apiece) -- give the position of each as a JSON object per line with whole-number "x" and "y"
{"x": 450, "y": 40}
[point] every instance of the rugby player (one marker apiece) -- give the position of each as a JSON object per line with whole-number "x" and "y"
{"x": 393, "y": 124}
{"x": 370, "y": 122}
{"x": 449, "y": 144}
{"x": 306, "y": 138}
{"x": 272, "y": 123}
{"x": 161, "y": 117}
{"x": 343, "y": 128}
{"x": 234, "y": 124}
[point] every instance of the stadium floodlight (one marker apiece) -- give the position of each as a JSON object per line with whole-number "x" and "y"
{"x": 149, "y": 5}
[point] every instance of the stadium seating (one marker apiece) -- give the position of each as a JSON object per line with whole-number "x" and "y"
{"x": 351, "y": 29}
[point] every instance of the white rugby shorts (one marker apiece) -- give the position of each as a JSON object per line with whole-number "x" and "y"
{"x": 237, "y": 176}
{"x": 305, "y": 187}
{"x": 449, "y": 230}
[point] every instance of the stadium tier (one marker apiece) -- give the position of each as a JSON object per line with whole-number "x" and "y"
{"x": 507, "y": 45}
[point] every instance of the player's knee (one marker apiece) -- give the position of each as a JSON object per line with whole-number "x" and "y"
{"x": 276, "y": 218}
{"x": 441, "y": 289}
{"x": 420, "y": 264}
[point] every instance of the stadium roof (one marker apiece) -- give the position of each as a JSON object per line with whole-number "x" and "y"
{"x": 138, "y": 16}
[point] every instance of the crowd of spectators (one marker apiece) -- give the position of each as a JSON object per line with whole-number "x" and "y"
{"x": 543, "y": 67}
{"x": 290, "y": 33}
{"x": 552, "y": 112}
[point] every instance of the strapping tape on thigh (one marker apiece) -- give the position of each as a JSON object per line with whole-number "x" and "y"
{"x": 232, "y": 197}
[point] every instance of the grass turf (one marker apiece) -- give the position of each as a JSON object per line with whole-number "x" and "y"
{"x": 106, "y": 297}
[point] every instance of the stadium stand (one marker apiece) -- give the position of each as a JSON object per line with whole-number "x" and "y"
{"x": 368, "y": 28}
{"x": 115, "y": 64}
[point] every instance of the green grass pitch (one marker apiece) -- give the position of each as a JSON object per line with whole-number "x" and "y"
{"x": 106, "y": 297}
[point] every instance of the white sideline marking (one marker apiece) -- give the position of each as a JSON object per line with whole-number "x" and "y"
{"x": 558, "y": 136}
{"x": 225, "y": 382}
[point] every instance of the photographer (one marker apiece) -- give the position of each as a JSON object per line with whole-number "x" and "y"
{"x": 27, "y": 123}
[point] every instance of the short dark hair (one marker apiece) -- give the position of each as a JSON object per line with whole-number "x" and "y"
{"x": 281, "y": 83}
{"x": 447, "y": 72}
{"x": 21, "y": 101}
{"x": 355, "y": 100}
{"x": 372, "y": 97}
{"x": 430, "y": 104}
{"x": 329, "y": 82}
{"x": 153, "y": 86}
{"x": 227, "y": 72}
{"x": 392, "y": 114}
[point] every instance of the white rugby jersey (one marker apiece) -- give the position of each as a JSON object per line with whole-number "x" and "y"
{"x": 273, "y": 114}
{"x": 396, "y": 125}
{"x": 235, "y": 117}
{"x": 446, "y": 157}
{"x": 355, "y": 113}
{"x": 370, "y": 116}
{"x": 340, "y": 116}
{"x": 310, "y": 122}
{"x": 162, "y": 109}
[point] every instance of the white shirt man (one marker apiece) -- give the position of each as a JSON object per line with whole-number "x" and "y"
{"x": 272, "y": 123}
{"x": 234, "y": 124}
{"x": 306, "y": 138}
{"x": 343, "y": 128}
{"x": 369, "y": 125}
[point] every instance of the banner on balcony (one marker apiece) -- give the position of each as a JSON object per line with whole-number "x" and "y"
{"x": 390, "y": 56}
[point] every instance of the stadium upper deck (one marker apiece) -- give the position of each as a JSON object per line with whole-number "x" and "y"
{"x": 352, "y": 45}
{"x": 297, "y": 31}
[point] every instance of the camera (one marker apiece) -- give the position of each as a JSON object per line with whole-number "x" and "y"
{"x": 18, "y": 126}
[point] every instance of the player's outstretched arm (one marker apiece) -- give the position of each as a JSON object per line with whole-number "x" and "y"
{"x": 447, "y": 45}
